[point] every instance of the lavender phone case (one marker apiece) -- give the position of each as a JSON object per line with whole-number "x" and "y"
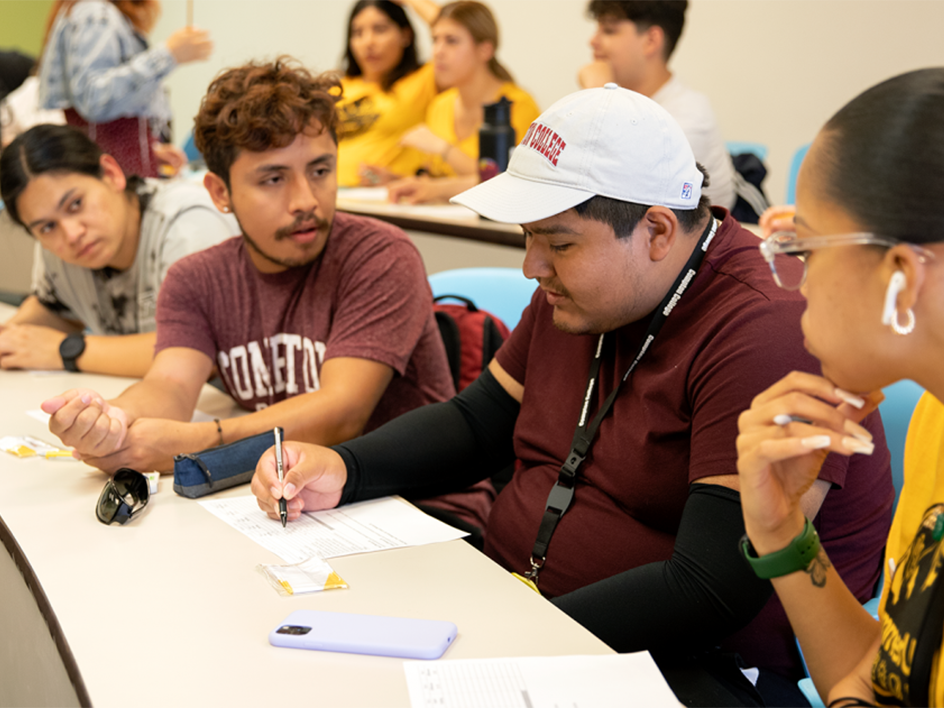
{"x": 364, "y": 634}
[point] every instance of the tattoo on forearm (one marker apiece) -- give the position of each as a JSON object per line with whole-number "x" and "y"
{"x": 818, "y": 567}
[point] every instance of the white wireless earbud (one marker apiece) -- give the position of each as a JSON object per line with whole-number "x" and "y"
{"x": 895, "y": 286}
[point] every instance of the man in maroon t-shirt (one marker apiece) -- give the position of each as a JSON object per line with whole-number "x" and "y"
{"x": 320, "y": 323}
{"x": 618, "y": 395}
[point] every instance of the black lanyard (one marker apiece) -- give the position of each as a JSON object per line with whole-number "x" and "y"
{"x": 562, "y": 493}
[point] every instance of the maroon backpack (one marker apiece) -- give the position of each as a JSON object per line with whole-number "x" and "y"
{"x": 472, "y": 336}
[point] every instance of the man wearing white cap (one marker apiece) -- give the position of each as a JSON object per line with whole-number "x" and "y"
{"x": 617, "y": 396}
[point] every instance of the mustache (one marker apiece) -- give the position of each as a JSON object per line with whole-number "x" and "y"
{"x": 303, "y": 222}
{"x": 554, "y": 285}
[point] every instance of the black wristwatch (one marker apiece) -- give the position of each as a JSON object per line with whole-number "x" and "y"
{"x": 71, "y": 349}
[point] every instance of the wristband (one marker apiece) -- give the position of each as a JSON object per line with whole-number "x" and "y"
{"x": 798, "y": 554}
{"x": 219, "y": 429}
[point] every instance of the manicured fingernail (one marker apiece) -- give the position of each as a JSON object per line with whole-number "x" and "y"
{"x": 784, "y": 419}
{"x": 816, "y": 442}
{"x": 857, "y": 431}
{"x": 86, "y": 399}
{"x": 288, "y": 491}
{"x": 862, "y": 448}
{"x": 850, "y": 398}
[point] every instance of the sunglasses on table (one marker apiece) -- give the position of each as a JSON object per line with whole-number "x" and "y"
{"x": 125, "y": 496}
{"x": 786, "y": 254}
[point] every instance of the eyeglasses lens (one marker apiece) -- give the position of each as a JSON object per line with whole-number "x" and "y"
{"x": 790, "y": 269}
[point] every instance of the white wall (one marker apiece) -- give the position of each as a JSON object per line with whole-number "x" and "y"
{"x": 775, "y": 69}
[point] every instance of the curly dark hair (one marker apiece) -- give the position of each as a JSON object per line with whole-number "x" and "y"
{"x": 259, "y": 106}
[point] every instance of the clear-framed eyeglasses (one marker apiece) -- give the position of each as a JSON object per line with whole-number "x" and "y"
{"x": 786, "y": 254}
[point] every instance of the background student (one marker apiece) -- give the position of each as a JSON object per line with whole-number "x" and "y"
{"x": 97, "y": 65}
{"x": 874, "y": 284}
{"x": 104, "y": 244}
{"x": 632, "y": 47}
{"x": 465, "y": 40}
{"x": 386, "y": 91}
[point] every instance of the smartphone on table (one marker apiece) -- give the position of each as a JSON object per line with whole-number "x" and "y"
{"x": 364, "y": 634}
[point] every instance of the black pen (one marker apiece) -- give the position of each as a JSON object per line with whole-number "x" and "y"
{"x": 283, "y": 512}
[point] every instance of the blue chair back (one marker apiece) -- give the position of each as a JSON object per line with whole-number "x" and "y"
{"x": 504, "y": 292}
{"x": 739, "y": 147}
{"x": 190, "y": 149}
{"x": 794, "y": 171}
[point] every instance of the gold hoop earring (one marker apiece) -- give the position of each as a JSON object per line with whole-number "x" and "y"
{"x": 906, "y": 329}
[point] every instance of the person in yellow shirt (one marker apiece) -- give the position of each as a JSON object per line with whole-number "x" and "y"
{"x": 465, "y": 40}
{"x": 386, "y": 91}
{"x": 869, "y": 233}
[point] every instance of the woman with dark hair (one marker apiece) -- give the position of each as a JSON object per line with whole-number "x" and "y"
{"x": 870, "y": 234}
{"x": 98, "y": 67}
{"x": 385, "y": 91}
{"x": 465, "y": 40}
{"x": 104, "y": 244}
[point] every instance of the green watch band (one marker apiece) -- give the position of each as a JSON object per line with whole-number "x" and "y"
{"x": 796, "y": 556}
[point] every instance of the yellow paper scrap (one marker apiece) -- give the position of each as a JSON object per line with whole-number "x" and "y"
{"x": 312, "y": 575}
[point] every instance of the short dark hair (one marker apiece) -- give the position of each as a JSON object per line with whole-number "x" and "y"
{"x": 259, "y": 106}
{"x": 408, "y": 62}
{"x": 882, "y": 158}
{"x": 41, "y": 149}
{"x": 624, "y": 217}
{"x": 667, "y": 14}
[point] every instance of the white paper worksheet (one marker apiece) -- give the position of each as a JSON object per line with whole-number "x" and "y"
{"x": 605, "y": 681}
{"x": 374, "y": 525}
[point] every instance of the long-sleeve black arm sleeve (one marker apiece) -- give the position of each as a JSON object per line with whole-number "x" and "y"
{"x": 439, "y": 448}
{"x": 705, "y": 592}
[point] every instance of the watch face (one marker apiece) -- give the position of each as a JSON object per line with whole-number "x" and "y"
{"x": 72, "y": 346}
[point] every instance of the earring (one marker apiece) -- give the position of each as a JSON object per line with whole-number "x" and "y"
{"x": 897, "y": 328}
{"x": 896, "y": 284}
{"x": 226, "y": 210}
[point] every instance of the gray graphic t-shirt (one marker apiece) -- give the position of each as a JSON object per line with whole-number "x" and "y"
{"x": 179, "y": 219}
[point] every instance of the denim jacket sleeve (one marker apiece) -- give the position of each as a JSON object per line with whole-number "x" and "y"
{"x": 96, "y": 63}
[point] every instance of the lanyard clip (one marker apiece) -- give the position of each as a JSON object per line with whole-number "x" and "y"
{"x": 559, "y": 499}
{"x": 571, "y": 465}
{"x": 536, "y": 565}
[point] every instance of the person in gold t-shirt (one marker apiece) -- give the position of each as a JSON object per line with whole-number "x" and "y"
{"x": 386, "y": 91}
{"x": 868, "y": 229}
{"x": 465, "y": 39}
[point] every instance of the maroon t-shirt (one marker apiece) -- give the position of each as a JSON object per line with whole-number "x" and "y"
{"x": 732, "y": 335}
{"x": 366, "y": 296}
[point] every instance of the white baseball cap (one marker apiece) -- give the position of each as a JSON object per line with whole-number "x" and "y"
{"x": 607, "y": 141}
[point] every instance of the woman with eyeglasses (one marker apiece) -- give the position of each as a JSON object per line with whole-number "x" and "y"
{"x": 870, "y": 238}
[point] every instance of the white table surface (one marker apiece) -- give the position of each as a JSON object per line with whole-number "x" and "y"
{"x": 169, "y": 610}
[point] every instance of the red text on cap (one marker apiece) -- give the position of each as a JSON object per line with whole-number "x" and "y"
{"x": 541, "y": 138}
